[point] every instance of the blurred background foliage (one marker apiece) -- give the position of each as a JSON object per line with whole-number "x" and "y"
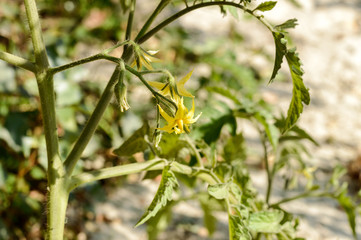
{"x": 74, "y": 29}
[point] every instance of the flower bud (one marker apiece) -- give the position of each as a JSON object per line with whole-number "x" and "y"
{"x": 121, "y": 93}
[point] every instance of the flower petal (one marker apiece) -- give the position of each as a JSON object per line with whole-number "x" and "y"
{"x": 157, "y": 85}
{"x": 168, "y": 118}
{"x": 180, "y": 86}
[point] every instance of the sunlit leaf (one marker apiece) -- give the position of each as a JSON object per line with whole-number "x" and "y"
{"x": 237, "y": 229}
{"x": 162, "y": 197}
{"x": 300, "y": 93}
{"x": 281, "y": 50}
{"x": 219, "y": 191}
{"x": 266, "y": 6}
{"x": 266, "y": 221}
{"x": 290, "y": 23}
{"x": 350, "y": 209}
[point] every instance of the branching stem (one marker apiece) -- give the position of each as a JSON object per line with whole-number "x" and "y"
{"x": 18, "y": 61}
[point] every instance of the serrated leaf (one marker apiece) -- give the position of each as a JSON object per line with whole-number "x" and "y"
{"x": 237, "y": 229}
{"x": 300, "y": 93}
{"x": 135, "y": 143}
{"x": 281, "y": 50}
{"x": 226, "y": 93}
{"x": 265, "y": 6}
{"x": 290, "y": 23}
{"x": 266, "y": 221}
{"x": 163, "y": 195}
{"x": 219, "y": 190}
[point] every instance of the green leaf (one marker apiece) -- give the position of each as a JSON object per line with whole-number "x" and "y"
{"x": 350, "y": 208}
{"x": 163, "y": 195}
{"x": 170, "y": 145}
{"x": 159, "y": 223}
{"x": 209, "y": 219}
{"x": 226, "y": 93}
{"x": 237, "y": 229}
{"x": 212, "y": 130}
{"x": 266, "y": 221}
{"x": 281, "y": 50}
{"x": 235, "y": 149}
{"x": 271, "y": 130}
{"x": 290, "y": 23}
{"x": 265, "y": 6}
{"x": 219, "y": 190}
{"x": 232, "y": 10}
{"x": 135, "y": 143}
{"x": 300, "y": 92}
{"x": 300, "y": 134}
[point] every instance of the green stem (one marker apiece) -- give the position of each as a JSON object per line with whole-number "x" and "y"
{"x": 18, "y": 61}
{"x": 83, "y": 61}
{"x": 132, "y": 168}
{"x": 268, "y": 170}
{"x": 130, "y": 21}
{"x": 58, "y": 193}
{"x": 302, "y": 195}
{"x": 91, "y": 125}
{"x": 155, "y": 94}
{"x": 150, "y": 20}
{"x": 41, "y": 58}
{"x": 195, "y": 151}
{"x": 177, "y": 15}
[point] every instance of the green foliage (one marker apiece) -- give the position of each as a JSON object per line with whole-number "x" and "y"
{"x": 266, "y": 221}
{"x": 138, "y": 142}
{"x": 265, "y": 6}
{"x": 209, "y": 154}
{"x": 237, "y": 229}
{"x": 162, "y": 197}
{"x": 300, "y": 93}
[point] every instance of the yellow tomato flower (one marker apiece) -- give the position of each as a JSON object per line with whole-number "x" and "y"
{"x": 143, "y": 58}
{"x": 182, "y": 119}
{"x": 165, "y": 88}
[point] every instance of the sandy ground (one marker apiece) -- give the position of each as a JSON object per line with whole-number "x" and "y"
{"x": 328, "y": 39}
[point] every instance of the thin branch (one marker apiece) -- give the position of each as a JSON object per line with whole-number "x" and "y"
{"x": 195, "y": 151}
{"x": 151, "y": 165}
{"x": 18, "y": 61}
{"x": 116, "y": 171}
{"x": 267, "y": 166}
{"x": 83, "y": 61}
{"x": 162, "y": 4}
{"x": 155, "y": 94}
{"x": 91, "y": 125}
{"x": 130, "y": 21}
{"x": 177, "y": 15}
{"x": 302, "y": 195}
